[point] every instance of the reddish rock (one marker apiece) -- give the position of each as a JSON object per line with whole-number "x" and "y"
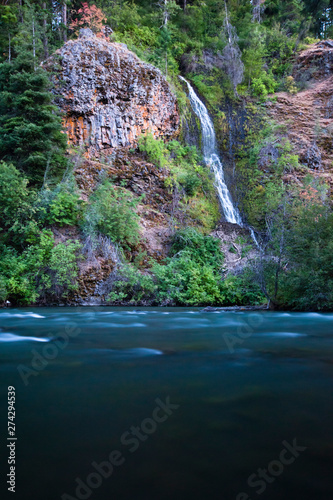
{"x": 109, "y": 95}
{"x": 315, "y": 62}
{"x": 308, "y": 115}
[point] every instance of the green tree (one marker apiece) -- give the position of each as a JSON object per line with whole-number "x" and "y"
{"x": 14, "y": 195}
{"x": 31, "y": 134}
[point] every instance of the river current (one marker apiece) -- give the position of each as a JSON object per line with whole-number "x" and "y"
{"x": 147, "y": 404}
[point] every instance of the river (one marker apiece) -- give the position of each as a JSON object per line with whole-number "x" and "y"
{"x": 147, "y": 404}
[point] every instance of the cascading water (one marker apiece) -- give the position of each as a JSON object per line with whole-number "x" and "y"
{"x": 211, "y": 157}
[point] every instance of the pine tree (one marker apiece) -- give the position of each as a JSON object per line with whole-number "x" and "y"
{"x": 30, "y": 125}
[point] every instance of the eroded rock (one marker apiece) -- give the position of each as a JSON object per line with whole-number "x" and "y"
{"x": 109, "y": 95}
{"x": 308, "y": 115}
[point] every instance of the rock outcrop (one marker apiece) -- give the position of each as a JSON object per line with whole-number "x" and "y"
{"x": 109, "y": 95}
{"x": 316, "y": 62}
{"x": 308, "y": 115}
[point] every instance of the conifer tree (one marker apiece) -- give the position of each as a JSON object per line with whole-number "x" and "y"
{"x": 30, "y": 126}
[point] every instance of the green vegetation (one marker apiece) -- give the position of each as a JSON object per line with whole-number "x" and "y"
{"x": 61, "y": 205}
{"x": 30, "y": 126}
{"x": 14, "y": 195}
{"x": 295, "y": 269}
{"x": 237, "y": 54}
{"x": 187, "y": 176}
{"x": 45, "y": 270}
{"x": 112, "y": 212}
{"x": 192, "y": 275}
{"x": 261, "y": 168}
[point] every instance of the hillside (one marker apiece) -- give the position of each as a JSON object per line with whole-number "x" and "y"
{"x": 182, "y": 163}
{"x": 308, "y": 115}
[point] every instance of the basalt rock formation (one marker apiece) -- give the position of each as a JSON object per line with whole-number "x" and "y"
{"x": 109, "y": 96}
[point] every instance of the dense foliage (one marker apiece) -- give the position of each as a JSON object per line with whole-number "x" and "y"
{"x": 234, "y": 50}
{"x": 191, "y": 275}
{"x": 112, "y": 212}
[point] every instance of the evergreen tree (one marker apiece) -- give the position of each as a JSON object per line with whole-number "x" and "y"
{"x": 30, "y": 125}
{"x": 8, "y": 21}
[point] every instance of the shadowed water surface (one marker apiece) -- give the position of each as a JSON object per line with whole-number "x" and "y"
{"x": 244, "y": 382}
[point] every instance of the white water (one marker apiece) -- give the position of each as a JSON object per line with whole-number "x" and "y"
{"x": 11, "y": 337}
{"x": 211, "y": 156}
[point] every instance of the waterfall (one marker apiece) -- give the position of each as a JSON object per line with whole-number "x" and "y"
{"x": 211, "y": 157}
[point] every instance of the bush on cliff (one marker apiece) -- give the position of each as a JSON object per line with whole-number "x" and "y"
{"x": 61, "y": 205}
{"x": 112, "y": 212}
{"x": 191, "y": 182}
{"x": 155, "y": 149}
{"x": 205, "y": 250}
{"x": 131, "y": 286}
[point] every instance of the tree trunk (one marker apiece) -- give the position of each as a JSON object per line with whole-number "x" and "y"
{"x": 20, "y": 11}
{"x": 45, "y": 42}
{"x": 34, "y": 43}
{"x": 64, "y": 20}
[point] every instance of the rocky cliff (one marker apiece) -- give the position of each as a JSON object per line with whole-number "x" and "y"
{"x": 308, "y": 115}
{"x": 109, "y": 96}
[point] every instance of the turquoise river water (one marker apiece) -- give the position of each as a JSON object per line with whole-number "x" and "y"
{"x": 147, "y": 404}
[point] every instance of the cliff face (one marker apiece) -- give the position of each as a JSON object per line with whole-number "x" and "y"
{"x": 308, "y": 115}
{"x": 109, "y": 96}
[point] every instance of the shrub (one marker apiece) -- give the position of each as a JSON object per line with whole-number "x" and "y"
{"x": 182, "y": 281}
{"x": 23, "y": 271}
{"x": 112, "y": 212}
{"x": 190, "y": 277}
{"x": 155, "y": 149}
{"x": 43, "y": 270}
{"x": 61, "y": 205}
{"x": 14, "y": 195}
{"x": 209, "y": 88}
{"x": 205, "y": 250}
{"x": 190, "y": 182}
{"x": 129, "y": 285}
{"x": 291, "y": 85}
{"x": 263, "y": 85}
{"x": 61, "y": 271}
{"x": 204, "y": 212}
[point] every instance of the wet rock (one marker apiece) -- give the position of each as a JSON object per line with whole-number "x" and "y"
{"x": 235, "y": 308}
